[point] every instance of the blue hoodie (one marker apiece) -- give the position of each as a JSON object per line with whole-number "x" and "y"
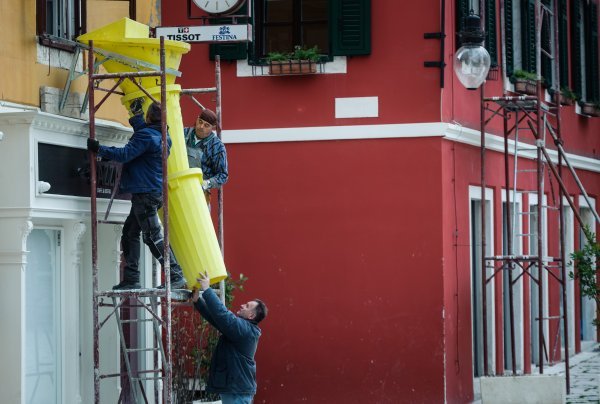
{"x": 142, "y": 158}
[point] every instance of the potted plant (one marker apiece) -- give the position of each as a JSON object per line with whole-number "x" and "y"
{"x": 524, "y": 82}
{"x": 300, "y": 61}
{"x": 567, "y": 96}
{"x": 590, "y": 108}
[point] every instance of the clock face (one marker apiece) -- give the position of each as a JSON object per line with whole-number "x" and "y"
{"x": 219, "y": 6}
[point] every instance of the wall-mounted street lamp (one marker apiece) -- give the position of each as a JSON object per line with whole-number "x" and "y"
{"x": 472, "y": 61}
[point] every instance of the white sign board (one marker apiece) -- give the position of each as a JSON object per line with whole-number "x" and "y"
{"x": 207, "y": 33}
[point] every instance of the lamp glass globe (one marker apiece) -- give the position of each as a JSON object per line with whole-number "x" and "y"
{"x": 471, "y": 64}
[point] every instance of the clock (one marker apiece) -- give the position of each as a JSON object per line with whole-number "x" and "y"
{"x": 218, "y": 7}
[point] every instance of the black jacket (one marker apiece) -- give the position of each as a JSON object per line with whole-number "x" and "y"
{"x": 232, "y": 367}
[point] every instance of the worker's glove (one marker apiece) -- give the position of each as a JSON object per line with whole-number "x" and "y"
{"x": 205, "y": 185}
{"x": 136, "y": 106}
{"x": 93, "y": 145}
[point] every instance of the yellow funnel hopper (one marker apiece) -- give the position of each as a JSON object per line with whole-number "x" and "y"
{"x": 192, "y": 234}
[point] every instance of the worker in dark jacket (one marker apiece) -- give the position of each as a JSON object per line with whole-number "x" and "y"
{"x": 206, "y": 151}
{"x": 232, "y": 368}
{"x": 141, "y": 177}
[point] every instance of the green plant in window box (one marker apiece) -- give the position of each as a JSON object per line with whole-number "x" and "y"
{"x": 300, "y": 61}
{"x": 567, "y": 96}
{"x": 524, "y": 82}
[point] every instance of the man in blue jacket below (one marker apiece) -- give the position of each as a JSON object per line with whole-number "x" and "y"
{"x": 232, "y": 367}
{"x": 141, "y": 177}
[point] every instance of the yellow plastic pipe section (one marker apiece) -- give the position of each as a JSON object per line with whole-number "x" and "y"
{"x": 192, "y": 234}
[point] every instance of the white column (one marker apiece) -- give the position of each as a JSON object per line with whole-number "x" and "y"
{"x": 13, "y": 260}
{"x": 74, "y": 232}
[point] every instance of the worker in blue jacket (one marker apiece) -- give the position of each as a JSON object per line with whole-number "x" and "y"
{"x": 142, "y": 177}
{"x": 232, "y": 368}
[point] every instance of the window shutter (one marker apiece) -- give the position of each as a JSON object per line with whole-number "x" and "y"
{"x": 462, "y": 11}
{"x": 528, "y": 37}
{"x": 350, "y": 27}
{"x": 508, "y": 37}
{"x": 576, "y": 44}
{"x": 490, "y": 31}
{"x": 592, "y": 72}
{"x": 229, "y": 51}
{"x": 563, "y": 44}
{"x": 548, "y": 46}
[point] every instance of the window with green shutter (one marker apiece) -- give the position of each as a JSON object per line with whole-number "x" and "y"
{"x": 509, "y": 42}
{"x": 563, "y": 44}
{"x": 591, "y": 53}
{"x": 528, "y": 59}
{"x": 350, "y": 28}
{"x": 577, "y": 46}
{"x": 336, "y": 27}
{"x": 547, "y": 43}
{"x": 464, "y": 8}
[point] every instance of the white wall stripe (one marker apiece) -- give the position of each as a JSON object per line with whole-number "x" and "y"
{"x": 316, "y": 133}
{"x": 449, "y": 131}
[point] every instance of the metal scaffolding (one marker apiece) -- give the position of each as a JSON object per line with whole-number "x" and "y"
{"x": 158, "y": 312}
{"x": 529, "y": 124}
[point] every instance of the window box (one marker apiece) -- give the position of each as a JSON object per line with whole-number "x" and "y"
{"x": 284, "y": 67}
{"x": 524, "y": 86}
{"x": 564, "y": 100}
{"x": 590, "y": 109}
{"x": 525, "y": 82}
{"x": 567, "y": 96}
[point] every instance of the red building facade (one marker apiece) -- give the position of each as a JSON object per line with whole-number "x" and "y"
{"x": 352, "y": 207}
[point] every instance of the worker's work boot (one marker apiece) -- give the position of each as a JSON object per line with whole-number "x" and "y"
{"x": 177, "y": 280}
{"x": 127, "y": 284}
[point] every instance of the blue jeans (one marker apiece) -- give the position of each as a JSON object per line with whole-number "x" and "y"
{"x": 229, "y": 398}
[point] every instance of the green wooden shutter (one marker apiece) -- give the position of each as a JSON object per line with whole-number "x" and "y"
{"x": 491, "y": 37}
{"x": 547, "y": 45}
{"x": 528, "y": 35}
{"x": 563, "y": 43}
{"x": 576, "y": 45}
{"x": 508, "y": 38}
{"x": 462, "y": 11}
{"x": 350, "y": 27}
{"x": 591, "y": 54}
{"x": 229, "y": 51}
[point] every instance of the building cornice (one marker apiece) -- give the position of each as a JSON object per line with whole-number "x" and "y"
{"x": 472, "y": 137}
{"x": 43, "y": 121}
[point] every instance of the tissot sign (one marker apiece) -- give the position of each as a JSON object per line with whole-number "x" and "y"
{"x": 207, "y": 33}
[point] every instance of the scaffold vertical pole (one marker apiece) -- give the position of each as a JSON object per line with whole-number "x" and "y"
{"x": 94, "y": 223}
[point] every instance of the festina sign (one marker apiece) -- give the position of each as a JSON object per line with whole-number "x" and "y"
{"x": 207, "y": 33}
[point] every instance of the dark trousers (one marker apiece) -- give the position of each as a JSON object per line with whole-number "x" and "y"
{"x": 143, "y": 218}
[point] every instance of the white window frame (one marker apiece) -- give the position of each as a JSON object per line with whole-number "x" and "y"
{"x": 475, "y": 195}
{"x": 516, "y": 205}
{"x": 532, "y": 202}
{"x": 569, "y": 238}
{"x": 588, "y": 313}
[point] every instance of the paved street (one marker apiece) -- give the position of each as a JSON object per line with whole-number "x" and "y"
{"x": 585, "y": 378}
{"x": 585, "y": 375}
